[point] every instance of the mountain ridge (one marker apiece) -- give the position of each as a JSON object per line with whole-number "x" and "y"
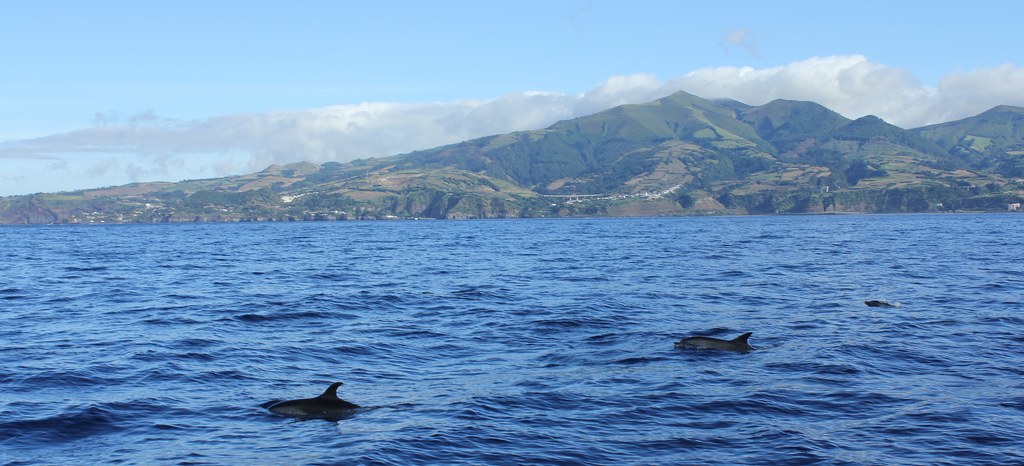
{"x": 677, "y": 155}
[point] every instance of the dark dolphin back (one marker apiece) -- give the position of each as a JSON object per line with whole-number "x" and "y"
{"x": 743, "y": 338}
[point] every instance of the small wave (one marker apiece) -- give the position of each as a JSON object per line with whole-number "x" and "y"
{"x": 436, "y": 310}
{"x": 1012, "y": 320}
{"x": 334, "y": 276}
{"x": 638, "y": 360}
{"x": 356, "y": 350}
{"x": 64, "y": 427}
{"x": 171, "y": 321}
{"x": 599, "y": 278}
{"x": 409, "y": 333}
{"x": 196, "y": 356}
{"x": 196, "y": 343}
{"x": 560, "y": 323}
{"x": 184, "y": 297}
{"x": 588, "y": 318}
{"x": 1014, "y": 403}
{"x": 95, "y": 268}
{"x": 559, "y": 359}
{"x": 604, "y": 339}
{"x": 79, "y": 378}
{"x": 814, "y": 368}
{"x": 489, "y": 293}
{"x": 373, "y": 300}
{"x": 297, "y": 315}
{"x": 59, "y": 300}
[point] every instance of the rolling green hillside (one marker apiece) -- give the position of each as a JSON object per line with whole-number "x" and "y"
{"x": 788, "y": 123}
{"x": 598, "y": 153}
{"x": 679, "y": 155}
{"x": 992, "y": 141}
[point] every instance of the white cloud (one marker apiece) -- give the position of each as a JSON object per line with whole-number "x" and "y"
{"x": 119, "y": 149}
{"x": 854, "y": 86}
{"x": 741, "y": 38}
{"x": 964, "y": 93}
{"x": 850, "y": 85}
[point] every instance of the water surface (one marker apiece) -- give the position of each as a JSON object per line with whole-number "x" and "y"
{"x": 526, "y": 341}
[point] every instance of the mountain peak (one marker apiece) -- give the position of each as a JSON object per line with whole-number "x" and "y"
{"x": 787, "y": 122}
{"x": 870, "y": 119}
{"x": 685, "y": 99}
{"x": 1003, "y": 110}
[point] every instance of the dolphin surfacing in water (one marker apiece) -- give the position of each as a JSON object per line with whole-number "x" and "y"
{"x": 878, "y": 303}
{"x": 736, "y": 344}
{"x": 326, "y": 406}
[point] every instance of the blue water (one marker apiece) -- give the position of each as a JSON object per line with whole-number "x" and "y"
{"x": 516, "y": 342}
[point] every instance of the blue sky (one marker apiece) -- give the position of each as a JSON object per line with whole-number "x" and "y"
{"x": 109, "y": 92}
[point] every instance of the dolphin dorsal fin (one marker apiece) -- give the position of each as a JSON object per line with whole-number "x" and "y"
{"x": 332, "y": 391}
{"x": 743, "y": 338}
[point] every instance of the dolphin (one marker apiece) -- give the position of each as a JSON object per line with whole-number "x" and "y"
{"x": 878, "y": 303}
{"x": 326, "y": 406}
{"x": 736, "y": 344}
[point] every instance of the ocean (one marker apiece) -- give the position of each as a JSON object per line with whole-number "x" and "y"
{"x": 542, "y": 341}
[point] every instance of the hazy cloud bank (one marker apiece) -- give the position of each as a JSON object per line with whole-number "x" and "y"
{"x": 148, "y": 147}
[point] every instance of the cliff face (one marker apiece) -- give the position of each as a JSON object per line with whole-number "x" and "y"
{"x": 28, "y": 210}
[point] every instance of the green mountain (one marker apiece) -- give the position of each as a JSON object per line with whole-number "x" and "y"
{"x": 788, "y": 123}
{"x": 679, "y": 155}
{"x": 992, "y": 141}
{"x": 599, "y": 153}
